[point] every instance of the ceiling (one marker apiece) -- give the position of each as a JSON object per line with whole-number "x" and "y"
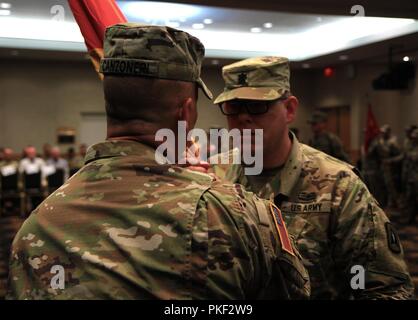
{"x": 311, "y": 33}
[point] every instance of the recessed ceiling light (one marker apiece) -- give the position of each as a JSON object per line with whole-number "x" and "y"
{"x": 173, "y": 24}
{"x": 406, "y": 59}
{"x": 268, "y": 25}
{"x": 14, "y": 53}
{"x": 157, "y": 11}
{"x": 198, "y": 26}
{"x": 208, "y": 21}
{"x": 256, "y": 30}
{"x": 215, "y": 62}
{"x": 306, "y": 65}
{"x": 5, "y": 5}
{"x": 5, "y": 12}
{"x": 343, "y": 57}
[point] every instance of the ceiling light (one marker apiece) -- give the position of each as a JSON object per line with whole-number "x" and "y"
{"x": 208, "y": 21}
{"x": 157, "y": 11}
{"x": 256, "y": 30}
{"x": 343, "y": 57}
{"x": 215, "y": 62}
{"x": 5, "y": 5}
{"x": 48, "y": 30}
{"x": 406, "y": 59}
{"x": 306, "y": 65}
{"x": 268, "y": 25}
{"x": 5, "y": 12}
{"x": 319, "y": 19}
{"x": 198, "y": 26}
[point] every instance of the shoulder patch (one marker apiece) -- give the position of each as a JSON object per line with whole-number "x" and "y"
{"x": 281, "y": 229}
{"x": 394, "y": 243}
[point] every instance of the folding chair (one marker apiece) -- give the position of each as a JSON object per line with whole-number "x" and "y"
{"x": 34, "y": 192}
{"x": 10, "y": 191}
{"x": 55, "y": 180}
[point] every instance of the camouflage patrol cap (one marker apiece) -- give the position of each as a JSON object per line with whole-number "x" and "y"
{"x": 261, "y": 78}
{"x": 132, "y": 49}
{"x": 318, "y": 117}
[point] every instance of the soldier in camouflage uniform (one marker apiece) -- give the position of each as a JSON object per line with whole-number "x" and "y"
{"x": 324, "y": 140}
{"x": 387, "y": 151}
{"x": 128, "y": 227}
{"x": 336, "y": 221}
{"x": 407, "y": 144}
{"x": 408, "y": 136}
{"x": 411, "y": 177}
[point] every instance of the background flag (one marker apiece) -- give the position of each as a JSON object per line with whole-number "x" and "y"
{"x": 372, "y": 128}
{"x": 93, "y": 17}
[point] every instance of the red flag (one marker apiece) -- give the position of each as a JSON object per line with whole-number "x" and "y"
{"x": 93, "y": 17}
{"x": 372, "y": 128}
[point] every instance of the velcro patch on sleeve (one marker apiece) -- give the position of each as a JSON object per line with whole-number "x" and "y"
{"x": 394, "y": 243}
{"x": 281, "y": 229}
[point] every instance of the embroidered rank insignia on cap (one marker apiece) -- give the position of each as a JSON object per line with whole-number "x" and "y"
{"x": 281, "y": 229}
{"x": 393, "y": 239}
{"x": 242, "y": 79}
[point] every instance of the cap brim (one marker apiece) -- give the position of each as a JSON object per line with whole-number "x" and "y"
{"x": 251, "y": 93}
{"x": 205, "y": 89}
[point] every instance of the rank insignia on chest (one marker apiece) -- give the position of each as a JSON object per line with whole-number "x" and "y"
{"x": 281, "y": 229}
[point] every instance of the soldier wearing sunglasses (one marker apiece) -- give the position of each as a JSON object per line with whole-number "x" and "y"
{"x": 349, "y": 246}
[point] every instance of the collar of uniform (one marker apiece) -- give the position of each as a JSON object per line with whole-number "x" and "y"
{"x": 118, "y": 148}
{"x": 290, "y": 173}
{"x": 283, "y": 183}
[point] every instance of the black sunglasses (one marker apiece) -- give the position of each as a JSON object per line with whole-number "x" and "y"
{"x": 256, "y": 107}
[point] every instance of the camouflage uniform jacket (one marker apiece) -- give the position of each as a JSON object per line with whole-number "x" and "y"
{"x": 411, "y": 163}
{"x": 388, "y": 150}
{"x": 330, "y": 144}
{"x": 337, "y": 224}
{"x": 125, "y": 227}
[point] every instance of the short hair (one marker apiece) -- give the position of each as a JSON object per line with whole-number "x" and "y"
{"x": 148, "y": 99}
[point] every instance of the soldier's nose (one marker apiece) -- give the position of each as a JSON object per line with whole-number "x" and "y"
{"x": 244, "y": 117}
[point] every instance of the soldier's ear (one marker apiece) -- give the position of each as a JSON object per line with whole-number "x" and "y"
{"x": 188, "y": 112}
{"x": 292, "y": 104}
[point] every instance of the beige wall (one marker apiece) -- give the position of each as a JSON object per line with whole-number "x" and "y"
{"x": 396, "y": 108}
{"x": 37, "y": 97}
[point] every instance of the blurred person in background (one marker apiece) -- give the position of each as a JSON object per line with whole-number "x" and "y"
{"x": 407, "y": 145}
{"x": 57, "y": 162}
{"x": 78, "y": 160}
{"x": 1, "y": 154}
{"x": 324, "y": 140}
{"x": 8, "y": 158}
{"x": 411, "y": 177}
{"x": 46, "y": 151}
{"x": 31, "y": 163}
{"x": 386, "y": 150}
